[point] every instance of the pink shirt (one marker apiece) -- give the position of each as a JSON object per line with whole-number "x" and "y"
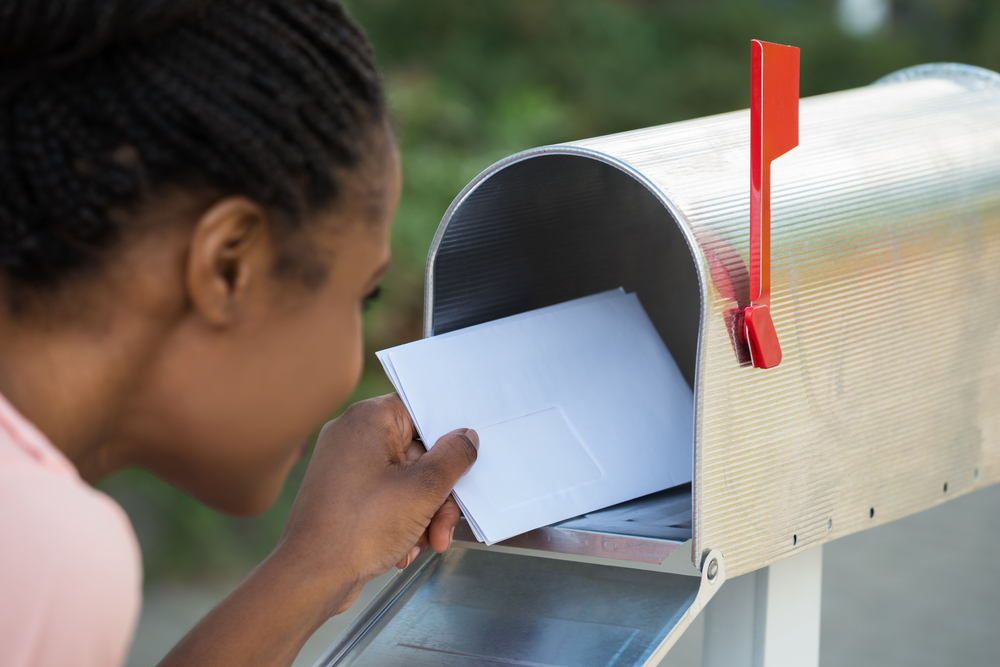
{"x": 70, "y": 568}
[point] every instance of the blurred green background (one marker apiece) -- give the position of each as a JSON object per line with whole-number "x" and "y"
{"x": 472, "y": 81}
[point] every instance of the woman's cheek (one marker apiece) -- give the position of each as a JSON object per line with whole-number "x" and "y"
{"x": 348, "y": 359}
{"x": 359, "y": 355}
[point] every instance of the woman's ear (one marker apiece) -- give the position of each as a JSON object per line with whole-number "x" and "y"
{"x": 229, "y": 254}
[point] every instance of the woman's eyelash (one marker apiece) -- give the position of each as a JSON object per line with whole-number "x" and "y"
{"x": 372, "y": 296}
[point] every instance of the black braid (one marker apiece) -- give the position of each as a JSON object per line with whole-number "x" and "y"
{"x": 262, "y": 98}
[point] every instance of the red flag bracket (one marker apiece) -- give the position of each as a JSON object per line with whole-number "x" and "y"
{"x": 774, "y": 130}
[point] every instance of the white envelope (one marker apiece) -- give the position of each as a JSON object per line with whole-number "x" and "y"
{"x": 578, "y": 406}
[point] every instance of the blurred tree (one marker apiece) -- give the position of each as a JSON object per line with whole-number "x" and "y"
{"x": 472, "y": 81}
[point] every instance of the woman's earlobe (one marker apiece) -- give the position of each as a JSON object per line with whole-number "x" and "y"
{"x": 228, "y": 254}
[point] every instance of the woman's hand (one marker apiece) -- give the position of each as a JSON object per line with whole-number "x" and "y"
{"x": 372, "y": 498}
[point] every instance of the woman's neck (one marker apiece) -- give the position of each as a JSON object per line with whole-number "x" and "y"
{"x": 72, "y": 370}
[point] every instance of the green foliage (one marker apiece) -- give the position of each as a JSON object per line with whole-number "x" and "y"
{"x": 472, "y": 81}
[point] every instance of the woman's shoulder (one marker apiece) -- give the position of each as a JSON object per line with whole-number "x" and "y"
{"x": 43, "y": 501}
{"x": 70, "y": 569}
{"x": 40, "y": 507}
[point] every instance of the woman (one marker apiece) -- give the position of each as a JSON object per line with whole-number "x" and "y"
{"x": 195, "y": 203}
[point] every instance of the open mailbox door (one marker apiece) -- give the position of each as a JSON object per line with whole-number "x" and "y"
{"x": 474, "y": 607}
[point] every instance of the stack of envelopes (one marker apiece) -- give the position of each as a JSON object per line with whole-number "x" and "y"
{"x": 578, "y": 406}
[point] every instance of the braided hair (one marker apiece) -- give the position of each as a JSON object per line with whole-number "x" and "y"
{"x": 270, "y": 99}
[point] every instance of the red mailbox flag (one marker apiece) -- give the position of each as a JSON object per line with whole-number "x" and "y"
{"x": 774, "y": 130}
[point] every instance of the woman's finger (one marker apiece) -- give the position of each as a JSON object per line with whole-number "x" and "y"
{"x": 442, "y": 526}
{"x": 415, "y": 450}
{"x": 414, "y": 553}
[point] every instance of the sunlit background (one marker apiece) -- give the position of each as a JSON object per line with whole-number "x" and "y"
{"x": 472, "y": 81}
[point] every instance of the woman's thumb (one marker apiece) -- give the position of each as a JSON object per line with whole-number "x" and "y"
{"x": 450, "y": 457}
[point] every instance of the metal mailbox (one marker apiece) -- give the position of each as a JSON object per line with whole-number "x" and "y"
{"x": 885, "y": 292}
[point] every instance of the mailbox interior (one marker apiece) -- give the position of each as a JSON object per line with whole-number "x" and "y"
{"x": 549, "y": 227}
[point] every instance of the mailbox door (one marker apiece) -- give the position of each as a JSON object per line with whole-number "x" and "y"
{"x": 471, "y": 607}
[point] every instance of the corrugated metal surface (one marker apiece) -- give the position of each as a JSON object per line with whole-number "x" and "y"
{"x": 885, "y": 296}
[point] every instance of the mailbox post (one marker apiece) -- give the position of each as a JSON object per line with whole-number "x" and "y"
{"x": 768, "y": 618}
{"x": 885, "y": 280}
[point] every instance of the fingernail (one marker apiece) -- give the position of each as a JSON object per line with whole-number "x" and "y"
{"x": 473, "y": 436}
{"x": 451, "y": 537}
{"x": 412, "y": 556}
